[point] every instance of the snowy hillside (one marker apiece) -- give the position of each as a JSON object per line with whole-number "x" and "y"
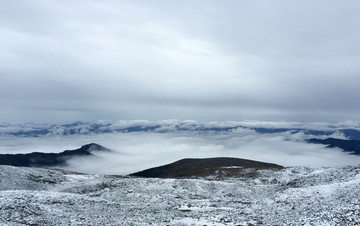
{"x": 298, "y": 196}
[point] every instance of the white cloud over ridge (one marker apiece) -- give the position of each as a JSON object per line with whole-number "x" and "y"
{"x": 173, "y": 125}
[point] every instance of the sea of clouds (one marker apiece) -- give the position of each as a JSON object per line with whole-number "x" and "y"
{"x": 136, "y": 151}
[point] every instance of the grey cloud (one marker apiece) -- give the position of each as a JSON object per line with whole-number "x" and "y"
{"x": 228, "y": 60}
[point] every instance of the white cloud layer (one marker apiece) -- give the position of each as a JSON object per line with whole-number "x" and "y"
{"x": 137, "y": 151}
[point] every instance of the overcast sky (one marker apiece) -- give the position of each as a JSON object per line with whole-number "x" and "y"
{"x": 62, "y": 61}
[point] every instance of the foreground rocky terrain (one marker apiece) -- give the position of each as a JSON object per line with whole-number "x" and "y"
{"x": 290, "y": 196}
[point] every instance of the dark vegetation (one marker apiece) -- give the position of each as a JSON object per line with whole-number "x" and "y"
{"x": 186, "y": 168}
{"x": 37, "y": 159}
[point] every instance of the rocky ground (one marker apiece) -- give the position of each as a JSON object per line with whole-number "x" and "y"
{"x": 291, "y": 196}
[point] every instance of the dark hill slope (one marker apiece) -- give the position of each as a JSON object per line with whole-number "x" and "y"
{"x": 351, "y": 146}
{"x": 201, "y": 167}
{"x": 38, "y": 159}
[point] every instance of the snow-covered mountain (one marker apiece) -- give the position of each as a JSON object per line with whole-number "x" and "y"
{"x": 291, "y": 196}
{"x": 229, "y": 195}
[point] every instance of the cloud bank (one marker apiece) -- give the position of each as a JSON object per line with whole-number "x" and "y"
{"x": 137, "y": 151}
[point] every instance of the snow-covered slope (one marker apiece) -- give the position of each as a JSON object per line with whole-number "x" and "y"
{"x": 298, "y": 196}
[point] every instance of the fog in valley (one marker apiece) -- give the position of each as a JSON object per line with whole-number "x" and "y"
{"x": 140, "y": 150}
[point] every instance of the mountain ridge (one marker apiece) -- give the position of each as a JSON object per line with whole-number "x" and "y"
{"x": 39, "y": 159}
{"x": 350, "y": 146}
{"x": 191, "y": 167}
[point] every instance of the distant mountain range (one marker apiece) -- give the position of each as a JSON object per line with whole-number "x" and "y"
{"x": 38, "y": 159}
{"x": 186, "y": 168}
{"x": 33, "y": 130}
{"x": 351, "y": 146}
